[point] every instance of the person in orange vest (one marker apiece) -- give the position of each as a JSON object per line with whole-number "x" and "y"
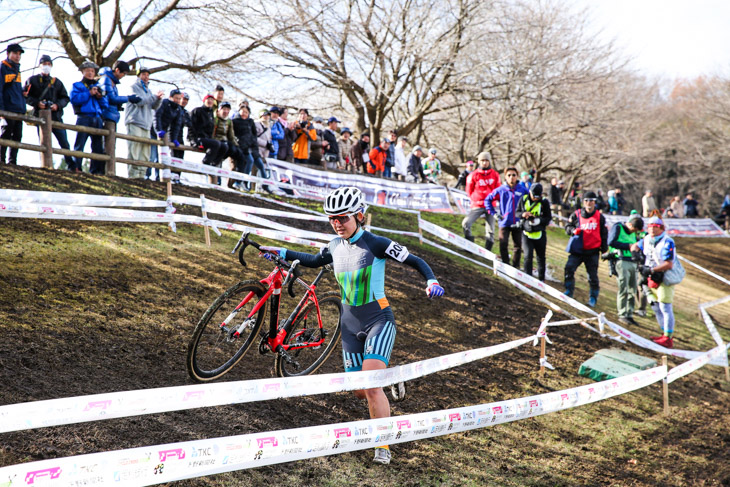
{"x": 377, "y": 155}
{"x": 590, "y": 225}
{"x": 304, "y": 135}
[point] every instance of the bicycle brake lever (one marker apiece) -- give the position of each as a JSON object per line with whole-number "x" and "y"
{"x": 290, "y": 273}
{"x": 244, "y": 237}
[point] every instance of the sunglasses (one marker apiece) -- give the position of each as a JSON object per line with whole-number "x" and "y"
{"x": 342, "y": 219}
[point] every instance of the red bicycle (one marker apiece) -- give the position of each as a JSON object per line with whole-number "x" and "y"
{"x": 301, "y": 343}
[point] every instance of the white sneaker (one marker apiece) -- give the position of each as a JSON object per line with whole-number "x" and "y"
{"x": 382, "y": 456}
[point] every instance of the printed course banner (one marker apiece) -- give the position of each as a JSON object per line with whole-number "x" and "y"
{"x": 461, "y": 200}
{"x": 680, "y": 227}
{"x": 313, "y": 183}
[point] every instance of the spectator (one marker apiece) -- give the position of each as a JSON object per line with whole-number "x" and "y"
{"x": 316, "y": 155}
{"x": 415, "y": 168}
{"x": 263, "y": 134}
{"x": 11, "y": 100}
{"x": 377, "y": 155}
{"x": 556, "y": 199}
{"x": 432, "y": 166}
{"x": 138, "y": 119}
{"x": 223, "y": 132}
{"x": 480, "y": 184}
{"x": 360, "y": 152}
{"x": 668, "y": 213}
{"x": 690, "y": 206}
{"x": 461, "y": 181}
{"x": 660, "y": 253}
{"x": 612, "y": 202}
{"x": 600, "y": 202}
{"x": 620, "y": 201}
{"x": 286, "y": 152}
{"x": 110, "y": 78}
{"x": 278, "y": 131}
{"x": 244, "y": 129}
{"x": 620, "y": 239}
{"x": 647, "y": 204}
{"x": 676, "y": 205}
{"x": 723, "y": 218}
{"x": 44, "y": 91}
{"x": 345, "y": 144}
{"x": 508, "y": 195}
{"x": 88, "y": 102}
{"x": 536, "y": 215}
{"x": 390, "y": 157}
{"x": 400, "y": 169}
{"x": 526, "y": 180}
{"x": 168, "y": 118}
{"x": 575, "y": 196}
{"x": 204, "y": 124}
{"x": 305, "y": 134}
{"x": 331, "y": 145}
{"x": 219, "y": 94}
{"x": 590, "y": 225}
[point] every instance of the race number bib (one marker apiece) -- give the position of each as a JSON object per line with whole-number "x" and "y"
{"x": 397, "y": 251}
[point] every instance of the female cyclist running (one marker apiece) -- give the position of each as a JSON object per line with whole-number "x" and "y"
{"x": 358, "y": 258}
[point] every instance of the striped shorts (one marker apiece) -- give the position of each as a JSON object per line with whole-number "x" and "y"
{"x": 371, "y": 342}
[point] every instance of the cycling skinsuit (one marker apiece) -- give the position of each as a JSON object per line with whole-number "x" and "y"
{"x": 368, "y": 325}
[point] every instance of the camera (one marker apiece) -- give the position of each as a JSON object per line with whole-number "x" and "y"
{"x": 609, "y": 256}
{"x": 303, "y": 123}
{"x": 45, "y": 104}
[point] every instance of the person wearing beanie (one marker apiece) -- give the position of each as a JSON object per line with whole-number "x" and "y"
{"x": 536, "y": 215}
{"x": 480, "y": 183}
{"x": 46, "y": 92}
{"x": 11, "y": 100}
{"x": 588, "y": 226}
{"x": 660, "y": 258}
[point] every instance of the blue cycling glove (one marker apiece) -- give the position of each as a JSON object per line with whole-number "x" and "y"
{"x": 269, "y": 253}
{"x": 434, "y": 289}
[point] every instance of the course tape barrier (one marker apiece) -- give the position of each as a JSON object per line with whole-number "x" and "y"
{"x": 224, "y": 208}
{"x": 55, "y": 412}
{"x": 451, "y": 237}
{"x": 76, "y": 199}
{"x": 708, "y": 272}
{"x": 697, "y": 362}
{"x": 171, "y": 462}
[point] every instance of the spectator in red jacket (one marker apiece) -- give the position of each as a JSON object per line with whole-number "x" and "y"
{"x": 479, "y": 185}
{"x": 377, "y": 155}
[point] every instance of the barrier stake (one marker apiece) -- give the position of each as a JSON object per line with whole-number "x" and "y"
{"x": 665, "y": 387}
{"x": 542, "y": 355}
{"x": 110, "y": 141}
{"x": 46, "y": 138}
{"x": 206, "y": 230}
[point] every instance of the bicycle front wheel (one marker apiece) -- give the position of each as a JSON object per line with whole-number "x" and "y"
{"x": 308, "y": 359}
{"x": 223, "y": 335}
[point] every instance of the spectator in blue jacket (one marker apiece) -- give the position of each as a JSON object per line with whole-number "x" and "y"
{"x": 11, "y": 100}
{"x": 278, "y": 130}
{"x": 88, "y": 103}
{"x": 110, "y": 78}
{"x": 509, "y": 196}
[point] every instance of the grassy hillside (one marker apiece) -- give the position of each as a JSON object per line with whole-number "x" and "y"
{"x": 88, "y": 308}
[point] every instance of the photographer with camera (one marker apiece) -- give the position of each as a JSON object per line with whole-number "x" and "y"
{"x": 663, "y": 271}
{"x": 44, "y": 91}
{"x": 509, "y": 196}
{"x": 88, "y": 102}
{"x": 304, "y": 135}
{"x": 536, "y": 215}
{"x": 331, "y": 145}
{"x": 589, "y": 238}
{"x": 622, "y": 262}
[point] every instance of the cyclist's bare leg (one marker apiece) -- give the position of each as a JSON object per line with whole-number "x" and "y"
{"x": 377, "y": 400}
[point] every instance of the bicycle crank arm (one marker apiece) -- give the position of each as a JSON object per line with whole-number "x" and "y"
{"x": 283, "y": 354}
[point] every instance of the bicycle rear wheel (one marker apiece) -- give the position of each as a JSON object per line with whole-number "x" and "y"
{"x": 215, "y": 349}
{"x": 306, "y": 329}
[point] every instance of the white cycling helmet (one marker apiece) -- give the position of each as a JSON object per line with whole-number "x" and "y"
{"x": 346, "y": 200}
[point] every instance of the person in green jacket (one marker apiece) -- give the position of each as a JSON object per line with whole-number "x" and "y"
{"x": 620, "y": 239}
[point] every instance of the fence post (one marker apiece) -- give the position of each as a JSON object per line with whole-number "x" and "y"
{"x": 110, "y": 142}
{"x": 47, "y": 138}
{"x": 205, "y": 215}
{"x": 542, "y": 355}
{"x": 665, "y": 388}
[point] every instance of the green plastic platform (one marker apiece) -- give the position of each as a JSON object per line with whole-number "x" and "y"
{"x": 611, "y": 363}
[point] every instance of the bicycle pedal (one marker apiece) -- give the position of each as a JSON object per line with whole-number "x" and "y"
{"x": 264, "y": 345}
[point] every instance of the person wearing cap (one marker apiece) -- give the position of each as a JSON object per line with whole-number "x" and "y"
{"x": 480, "y": 184}
{"x": 88, "y": 102}
{"x": 660, "y": 254}
{"x": 203, "y": 125}
{"x": 590, "y": 224}
{"x": 620, "y": 239}
{"x": 46, "y": 92}
{"x": 507, "y": 198}
{"x": 223, "y": 133}
{"x": 263, "y": 134}
{"x": 536, "y": 215}
{"x": 400, "y": 169}
{"x": 304, "y": 134}
{"x": 331, "y": 145}
{"x": 278, "y": 131}
{"x": 390, "y": 159}
{"x": 344, "y": 144}
{"x": 648, "y": 205}
{"x": 376, "y": 165}
{"x": 12, "y": 100}
{"x": 415, "y": 168}
{"x": 138, "y": 119}
{"x": 361, "y": 152}
{"x": 431, "y": 166}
